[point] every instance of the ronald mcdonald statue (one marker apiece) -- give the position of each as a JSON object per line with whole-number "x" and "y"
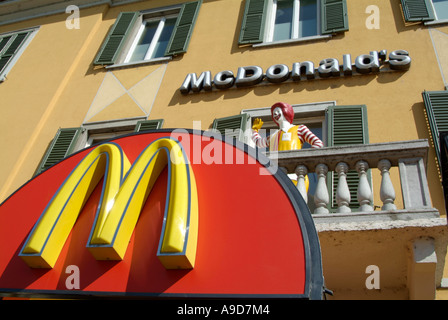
{"x": 288, "y": 136}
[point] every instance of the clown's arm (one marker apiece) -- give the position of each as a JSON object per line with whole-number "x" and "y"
{"x": 259, "y": 141}
{"x": 305, "y": 135}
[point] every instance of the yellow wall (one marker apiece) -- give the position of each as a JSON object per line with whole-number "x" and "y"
{"x": 55, "y": 85}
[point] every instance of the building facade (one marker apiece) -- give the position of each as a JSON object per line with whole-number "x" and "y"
{"x": 368, "y": 78}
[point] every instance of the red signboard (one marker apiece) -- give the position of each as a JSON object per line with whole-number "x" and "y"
{"x": 255, "y": 234}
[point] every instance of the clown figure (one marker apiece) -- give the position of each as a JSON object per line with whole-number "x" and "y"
{"x": 288, "y": 136}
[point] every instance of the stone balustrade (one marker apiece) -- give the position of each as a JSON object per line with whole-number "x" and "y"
{"x": 409, "y": 156}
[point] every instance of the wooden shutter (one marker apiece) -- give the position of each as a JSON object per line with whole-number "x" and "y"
{"x": 10, "y": 45}
{"x": 254, "y": 20}
{"x": 146, "y": 125}
{"x": 232, "y": 123}
{"x": 334, "y": 16}
{"x": 61, "y": 146}
{"x": 347, "y": 125}
{"x": 417, "y": 10}
{"x": 183, "y": 29}
{"x": 114, "y": 41}
{"x": 436, "y": 104}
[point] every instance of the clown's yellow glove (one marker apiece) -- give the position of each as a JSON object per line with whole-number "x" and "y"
{"x": 258, "y": 123}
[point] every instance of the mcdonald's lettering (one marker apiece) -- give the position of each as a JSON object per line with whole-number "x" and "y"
{"x": 124, "y": 191}
{"x": 136, "y": 217}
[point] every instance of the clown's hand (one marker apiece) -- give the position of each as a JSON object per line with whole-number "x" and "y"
{"x": 258, "y": 123}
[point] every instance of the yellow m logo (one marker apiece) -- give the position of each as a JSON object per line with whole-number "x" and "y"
{"x": 124, "y": 192}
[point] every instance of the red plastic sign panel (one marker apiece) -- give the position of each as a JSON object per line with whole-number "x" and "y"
{"x": 255, "y": 234}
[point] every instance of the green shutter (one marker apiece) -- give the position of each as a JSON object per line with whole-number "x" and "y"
{"x": 417, "y": 10}
{"x": 252, "y": 27}
{"x": 436, "y": 104}
{"x": 183, "y": 29}
{"x": 347, "y": 125}
{"x": 10, "y": 50}
{"x": 61, "y": 146}
{"x": 114, "y": 41}
{"x": 443, "y": 161}
{"x": 232, "y": 126}
{"x": 146, "y": 125}
{"x": 334, "y": 16}
{"x": 3, "y": 62}
{"x": 3, "y": 42}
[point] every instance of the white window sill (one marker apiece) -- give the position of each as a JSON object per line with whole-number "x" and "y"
{"x": 139, "y": 63}
{"x": 292, "y": 41}
{"x": 436, "y": 22}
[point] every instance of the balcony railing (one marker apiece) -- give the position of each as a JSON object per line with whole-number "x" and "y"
{"x": 409, "y": 156}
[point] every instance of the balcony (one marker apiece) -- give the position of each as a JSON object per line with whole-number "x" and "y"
{"x": 409, "y": 157}
{"x": 393, "y": 225}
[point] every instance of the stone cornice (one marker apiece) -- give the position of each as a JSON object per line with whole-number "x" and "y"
{"x": 12, "y": 11}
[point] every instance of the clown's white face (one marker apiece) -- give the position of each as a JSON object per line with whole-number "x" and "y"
{"x": 280, "y": 120}
{"x": 278, "y": 116}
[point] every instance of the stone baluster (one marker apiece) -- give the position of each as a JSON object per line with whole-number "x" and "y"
{"x": 387, "y": 191}
{"x": 342, "y": 191}
{"x": 365, "y": 195}
{"x": 301, "y": 172}
{"x": 321, "y": 197}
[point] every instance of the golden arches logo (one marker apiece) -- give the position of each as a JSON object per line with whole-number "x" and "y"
{"x": 124, "y": 192}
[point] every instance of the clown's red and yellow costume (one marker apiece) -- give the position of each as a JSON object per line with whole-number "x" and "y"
{"x": 289, "y": 136}
{"x": 293, "y": 139}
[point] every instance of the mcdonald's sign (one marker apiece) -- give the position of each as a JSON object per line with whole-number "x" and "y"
{"x": 163, "y": 213}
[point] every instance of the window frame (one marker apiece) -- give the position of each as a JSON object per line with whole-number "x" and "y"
{"x": 76, "y": 139}
{"x": 310, "y": 112}
{"x": 333, "y": 19}
{"x": 421, "y": 11}
{"x": 121, "y": 36}
{"x": 295, "y": 36}
{"x": 31, "y": 32}
{"x": 436, "y": 19}
{"x": 106, "y": 130}
{"x": 161, "y": 14}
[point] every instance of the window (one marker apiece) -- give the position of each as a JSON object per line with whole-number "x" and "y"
{"x": 311, "y": 115}
{"x": 347, "y": 125}
{"x": 69, "y": 140}
{"x": 334, "y": 125}
{"x": 277, "y": 21}
{"x": 152, "y": 39}
{"x": 425, "y": 10}
{"x": 436, "y": 105}
{"x": 11, "y": 47}
{"x": 149, "y": 35}
{"x": 61, "y": 146}
{"x": 292, "y": 19}
{"x": 234, "y": 126}
{"x": 440, "y": 9}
